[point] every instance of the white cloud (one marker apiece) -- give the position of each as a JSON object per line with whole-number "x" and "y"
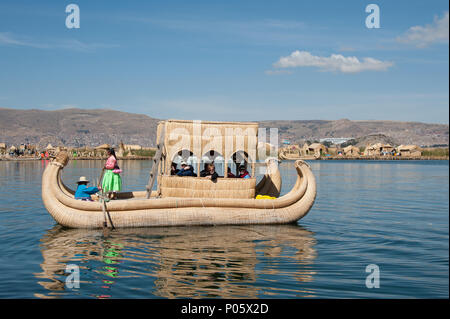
{"x": 335, "y": 62}
{"x": 423, "y": 36}
{"x": 7, "y": 38}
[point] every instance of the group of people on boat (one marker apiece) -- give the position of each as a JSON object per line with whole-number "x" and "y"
{"x": 209, "y": 171}
{"x": 111, "y": 182}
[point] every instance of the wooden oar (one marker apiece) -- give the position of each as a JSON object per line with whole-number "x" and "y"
{"x": 101, "y": 178}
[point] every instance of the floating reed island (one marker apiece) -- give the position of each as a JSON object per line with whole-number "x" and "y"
{"x": 377, "y": 151}
{"x": 189, "y": 200}
{"x": 26, "y": 152}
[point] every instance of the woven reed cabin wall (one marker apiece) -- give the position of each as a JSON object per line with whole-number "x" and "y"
{"x": 200, "y": 137}
{"x": 193, "y": 187}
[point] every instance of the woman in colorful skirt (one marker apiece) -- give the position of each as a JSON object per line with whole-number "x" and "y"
{"x": 112, "y": 183}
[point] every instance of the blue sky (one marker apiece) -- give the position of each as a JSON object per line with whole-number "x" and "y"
{"x": 229, "y": 60}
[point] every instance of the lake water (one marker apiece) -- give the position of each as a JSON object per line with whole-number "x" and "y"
{"x": 391, "y": 214}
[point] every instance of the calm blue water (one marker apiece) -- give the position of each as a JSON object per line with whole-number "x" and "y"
{"x": 392, "y": 214}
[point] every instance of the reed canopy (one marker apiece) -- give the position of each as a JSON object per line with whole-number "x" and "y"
{"x": 203, "y": 141}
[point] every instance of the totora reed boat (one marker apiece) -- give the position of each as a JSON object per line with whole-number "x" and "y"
{"x": 188, "y": 200}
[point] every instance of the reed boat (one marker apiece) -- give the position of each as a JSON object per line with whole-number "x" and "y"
{"x": 188, "y": 200}
{"x": 285, "y": 156}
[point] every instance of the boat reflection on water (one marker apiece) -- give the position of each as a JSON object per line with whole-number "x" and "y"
{"x": 178, "y": 262}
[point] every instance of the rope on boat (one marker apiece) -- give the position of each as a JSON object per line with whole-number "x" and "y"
{"x": 56, "y": 164}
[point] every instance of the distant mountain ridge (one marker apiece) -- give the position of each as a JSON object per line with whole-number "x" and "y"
{"x": 399, "y": 132}
{"x": 76, "y": 127}
{"x": 83, "y": 127}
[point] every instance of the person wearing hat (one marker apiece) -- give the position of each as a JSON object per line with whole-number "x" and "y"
{"x": 243, "y": 173}
{"x": 83, "y": 192}
{"x": 186, "y": 170}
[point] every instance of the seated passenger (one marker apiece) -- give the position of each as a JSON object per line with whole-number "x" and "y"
{"x": 83, "y": 192}
{"x": 210, "y": 172}
{"x": 243, "y": 173}
{"x": 173, "y": 169}
{"x": 186, "y": 170}
{"x": 230, "y": 174}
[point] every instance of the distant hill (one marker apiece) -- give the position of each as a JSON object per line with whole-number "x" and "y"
{"x": 370, "y": 140}
{"x": 397, "y": 132}
{"x": 80, "y": 127}
{"x": 76, "y": 127}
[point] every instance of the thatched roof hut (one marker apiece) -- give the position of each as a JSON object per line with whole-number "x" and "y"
{"x": 409, "y": 150}
{"x": 387, "y": 148}
{"x": 3, "y": 146}
{"x": 378, "y": 149}
{"x": 103, "y": 147}
{"x": 315, "y": 148}
{"x": 351, "y": 150}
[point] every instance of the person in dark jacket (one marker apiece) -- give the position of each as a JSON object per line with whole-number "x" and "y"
{"x": 173, "y": 169}
{"x": 230, "y": 174}
{"x": 243, "y": 173}
{"x": 83, "y": 192}
{"x": 210, "y": 172}
{"x": 186, "y": 170}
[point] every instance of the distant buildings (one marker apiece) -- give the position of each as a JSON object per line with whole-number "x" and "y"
{"x": 335, "y": 140}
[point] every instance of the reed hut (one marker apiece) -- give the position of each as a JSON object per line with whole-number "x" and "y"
{"x": 316, "y": 149}
{"x": 372, "y": 150}
{"x": 103, "y": 147}
{"x": 100, "y": 151}
{"x": 351, "y": 150}
{"x": 378, "y": 149}
{"x": 409, "y": 150}
{"x": 387, "y": 148}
